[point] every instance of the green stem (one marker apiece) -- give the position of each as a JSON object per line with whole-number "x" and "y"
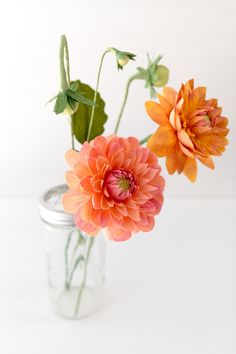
{"x": 144, "y": 140}
{"x": 77, "y": 261}
{"x": 131, "y": 79}
{"x": 64, "y": 56}
{"x": 68, "y": 241}
{"x": 80, "y": 239}
{"x": 91, "y": 241}
{"x": 95, "y": 96}
{"x": 65, "y": 75}
{"x": 72, "y": 134}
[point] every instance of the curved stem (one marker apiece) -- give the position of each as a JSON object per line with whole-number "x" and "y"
{"x": 65, "y": 75}
{"x": 64, "y": 56}
{"x": 91, "y": 241}
{"x": 131, "y": 79}
{"x": 95, "y": 96}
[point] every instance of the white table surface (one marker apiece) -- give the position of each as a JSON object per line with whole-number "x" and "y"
{"x": 172, "y": 291}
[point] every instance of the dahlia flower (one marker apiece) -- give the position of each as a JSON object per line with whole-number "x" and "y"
{"x": 115, "y": 185}
{"x": 191, "y": 128}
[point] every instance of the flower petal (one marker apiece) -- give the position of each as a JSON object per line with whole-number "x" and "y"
{"x": 190, "y": 169}
{"x": 207, "y": 161}
{"x": 114, "y": 233}
{"x": 71, "y": 201}
{"x": 170, "y": 94}
{"x": 163, "y": 141}
{"x": 72, "y": 158}
{"x": 85, "y": 226}
{"x": 155, "y": 112}
{"x": 72, "y": 180}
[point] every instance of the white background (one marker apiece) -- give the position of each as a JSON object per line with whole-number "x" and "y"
{"x": 173, "y": 290}
{"x": 197, "y": 37}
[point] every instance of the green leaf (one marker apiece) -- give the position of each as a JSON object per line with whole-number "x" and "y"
{"x": 72, "y": 94}
{"x": 52, "y": 99}
{"x": 74, "y": 86}
{"x": 78, "y": 97}
{"x": 61, "y": 103}
{"x": 156, "y": 61}
{"x": 81, "y": 118}
{"x": 86, "y": 100}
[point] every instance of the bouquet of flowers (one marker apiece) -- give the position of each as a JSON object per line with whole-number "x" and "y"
{"x": 115, "y": 183}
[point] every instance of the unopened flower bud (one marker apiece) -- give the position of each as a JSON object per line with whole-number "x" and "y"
{"x": 122, "y": 58}
{"x": 69, "y": 110}
{"x": 160, "y": 76}
{"x": 155, "y": 75}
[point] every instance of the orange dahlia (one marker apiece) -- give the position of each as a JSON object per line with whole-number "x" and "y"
{"x": 191, "y": 128}
{"x": 115, "y": 185}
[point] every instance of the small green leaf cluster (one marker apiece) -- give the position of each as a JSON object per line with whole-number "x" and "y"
{"x": 67, "y": 101}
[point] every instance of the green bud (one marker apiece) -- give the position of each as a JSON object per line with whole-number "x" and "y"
{"x": 160, "y": 76}
{"x": 71, "y": 107}
{"x": 122, "y": 58}
{"x": 154, "y": 76}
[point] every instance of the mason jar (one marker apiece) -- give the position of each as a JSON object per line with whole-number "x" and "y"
{"x": 75, "y": 261}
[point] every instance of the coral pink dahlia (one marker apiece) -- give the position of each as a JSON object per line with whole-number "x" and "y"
{"x": 115, "y": 184}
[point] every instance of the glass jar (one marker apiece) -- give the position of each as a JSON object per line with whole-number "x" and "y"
{"x": 75, "y": 261}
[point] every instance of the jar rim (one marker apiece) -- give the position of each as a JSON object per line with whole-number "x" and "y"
{"x": 50, "y": 207}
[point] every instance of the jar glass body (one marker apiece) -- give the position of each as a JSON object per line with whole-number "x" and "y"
{"x": 75, "y": 263}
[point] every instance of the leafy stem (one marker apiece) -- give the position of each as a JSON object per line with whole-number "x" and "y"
{"x": 95, "y": 95}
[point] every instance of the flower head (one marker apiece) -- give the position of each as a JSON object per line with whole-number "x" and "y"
{"x": 191, "y": 128}
{"x": 115, "y": 184}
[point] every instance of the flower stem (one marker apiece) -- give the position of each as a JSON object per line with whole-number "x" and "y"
{"x": 74, "y": 265}
{"x": 144, "y": 140}
{"x": 131, "y": 79}
{"x": 64, "y": 70}
{"x": 95, "y": 96}
{"x": 72, "y": 134}
{"x": 65, "y": 75}
{"x": 91, "y": 241}
{"x": 68, "y": 241}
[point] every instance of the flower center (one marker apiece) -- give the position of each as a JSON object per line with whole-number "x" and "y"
{"x": 120, "y": 184}
{"x": 124, "y": 183}
{"x": 206, "y": 120}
